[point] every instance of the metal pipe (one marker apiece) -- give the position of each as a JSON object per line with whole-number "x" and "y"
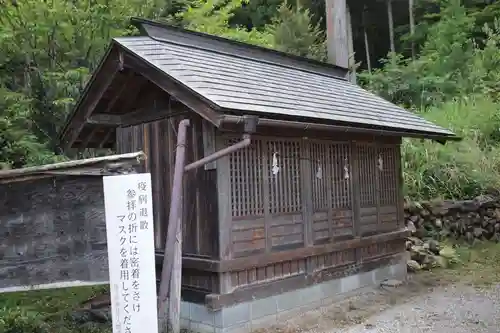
{"x": 221, "y": 153}
{"x": 228, "y": 119}
{"x": 174, "y": 213}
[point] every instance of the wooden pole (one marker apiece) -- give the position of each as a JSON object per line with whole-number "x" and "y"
{"x": 391, "y": 25}
{"x": 367, "y": 45}
{"x": 173, "y": 229}
{"x": 412, "y": 27}
{"x": 336, "y": 33}
{"x": 350, "y": 47}
{"x": 174, "y": 305}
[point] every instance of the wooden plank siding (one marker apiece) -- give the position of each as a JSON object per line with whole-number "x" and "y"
{"x": 311, "y": 200}
{"x": 158, "y": 140}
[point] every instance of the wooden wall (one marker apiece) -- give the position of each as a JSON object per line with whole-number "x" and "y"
{"x": 323, "y": 192}
{"x": 158, "y": 140}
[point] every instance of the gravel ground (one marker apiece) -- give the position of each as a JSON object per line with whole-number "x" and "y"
{"x": 425, "y": 303}
{"x": 457, "y": 309}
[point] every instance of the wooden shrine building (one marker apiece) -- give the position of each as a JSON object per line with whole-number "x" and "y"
{"x": 314, "y": 197}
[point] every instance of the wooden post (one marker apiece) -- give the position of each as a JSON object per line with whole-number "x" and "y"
{"x": 412, "y": 27}
{"x": 173, "y": 229}
{"x": 336, "y": 33}
{"x": 350, "y": 48}
{"x": 391, "y": 25}
{"x": 367, "y": 45}
{"x": 174, "y": 305}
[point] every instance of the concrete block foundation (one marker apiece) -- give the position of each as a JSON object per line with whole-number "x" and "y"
{"x": 263, "y": 313}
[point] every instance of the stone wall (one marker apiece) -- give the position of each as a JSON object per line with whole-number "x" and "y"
{"x": 53, "y": 230}
{"x": 433, "y": 221}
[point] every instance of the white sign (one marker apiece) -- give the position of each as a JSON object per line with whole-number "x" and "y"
{"x": 131, "y": 256}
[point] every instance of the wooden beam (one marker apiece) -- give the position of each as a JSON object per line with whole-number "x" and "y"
{"x": 336, "y": 32}
{"x": 149, "y": 116}
{"x": 133, "y": 118}
{"x": 99, "y": 83}
{"x": 391, "y": 25}
{"x": 89, "y": 137}
{"x": 129, "y": 81}
{"x": 174, "y": 89}
{"x": 106, "y": 139}
{"x": 105, "y": 119}
{"x": 134, "y": 88}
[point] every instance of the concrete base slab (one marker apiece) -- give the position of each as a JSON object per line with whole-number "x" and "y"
{"x": 270, "y": 311}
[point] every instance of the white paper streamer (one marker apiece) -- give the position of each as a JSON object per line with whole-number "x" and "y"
{"x": 275, "y": 169}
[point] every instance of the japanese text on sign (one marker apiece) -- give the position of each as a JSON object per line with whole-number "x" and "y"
{"x": 129, "y": 228}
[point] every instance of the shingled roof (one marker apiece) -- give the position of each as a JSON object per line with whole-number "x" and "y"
{"x": 236, "y": 78}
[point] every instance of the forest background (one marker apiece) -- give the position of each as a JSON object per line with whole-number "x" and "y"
{"x": 48, "y": 49}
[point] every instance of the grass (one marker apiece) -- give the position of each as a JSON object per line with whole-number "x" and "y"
{"x": 456, "y": 170}
{"x": 47, "y": 311}
{"x": 479, "y": 266}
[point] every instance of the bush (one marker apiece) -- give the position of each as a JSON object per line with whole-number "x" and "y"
{"x": 18, "y": 320}
{"x": 457, "y": 170}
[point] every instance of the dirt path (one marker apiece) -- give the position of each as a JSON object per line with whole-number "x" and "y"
{"x": 457, "y": 309}
{"x": 426, "y": 303}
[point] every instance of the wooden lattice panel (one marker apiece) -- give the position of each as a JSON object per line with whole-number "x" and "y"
{"x": 246, "y": 172}
{"x": 331, "y": 189}
{"x": 340, "y": 169}
{"x": 284, "y": 176}
{"x": 321, "y": 175}
{"x": 367, "y": 161}
{"x": 388, "y": 176}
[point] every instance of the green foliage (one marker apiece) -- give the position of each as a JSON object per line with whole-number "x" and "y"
{"x": 18, "y": 320}
{"x": 47, "y": 52}
{"x": 458, "y": 169}
{"x": 290, "y": 31}
{"x": 450, "y": 64}
{"x": 455, "y": 81}
{"x": 294, "y": 33}
{"x": 47, "y": 311}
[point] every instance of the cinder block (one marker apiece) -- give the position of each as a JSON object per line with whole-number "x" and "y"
{"x": 264, "y": 322}
{"x": 289, "y": 314}
{"x": 382, "y": 273}
{"x": 399, "y": 271}
{"x": 185, "y": 324}
{"x": 201, "y": 328}
{"x": 241, "y": 328}
{"x": 200, "y": 314}
{"x": 350, "y": 283}
{"x": 367, "y": 278}
{"x": 290, "y": 300}
{"x": 330, "y": 288}
{"x": 234, "y": 315}
{"x": 263, "y": 307}
{"x": 185, "y": 311}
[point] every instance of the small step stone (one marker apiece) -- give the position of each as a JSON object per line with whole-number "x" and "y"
{"x": 391, "y": 283}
